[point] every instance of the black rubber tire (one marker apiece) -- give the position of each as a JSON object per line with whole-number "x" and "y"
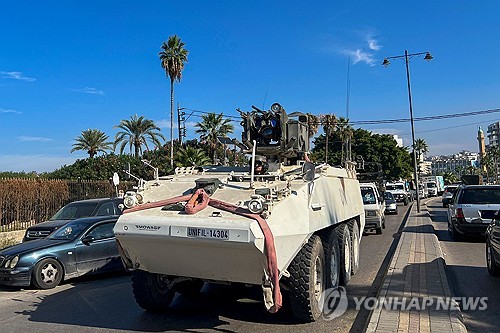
{"x": 189, "y": 288}
{"x": 47, "y": 274}
{"x": 493, "y": 267}
{"x": 378, "y": 231}
{"x": 303, "y": 289}
{"x": 354, "y": 230}
{"x": 383, "y": 223}
{"x": 455, "y": 236}
{"x": 152, "y": 292}
{"x": 332, "y": 259}
{"x": 344, "y": 238}
{"x": 406, "y": 202}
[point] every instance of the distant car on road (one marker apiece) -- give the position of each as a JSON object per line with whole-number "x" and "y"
{"x": 448, "y": 194}
{"x": 374, "y": 207}
{"x": 493, "y": 246}
{"x": 472, "y": 208}
{"x": 82, "y": 246}
{"x": 391, "y": 206}
{"x": 72, "y": 211}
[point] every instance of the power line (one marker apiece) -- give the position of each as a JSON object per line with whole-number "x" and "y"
{"x": 375, "y": 122}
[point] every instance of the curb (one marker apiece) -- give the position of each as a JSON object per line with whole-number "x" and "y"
{"x": 457, "y": 319}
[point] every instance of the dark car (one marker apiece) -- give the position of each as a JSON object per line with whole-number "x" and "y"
{"x": 391, "y": 206}
{"x": 493, "y": 246}
{"x": 72, "y": 211}
{"x": 83, "y": 246}
{"x": 472, "y": 208}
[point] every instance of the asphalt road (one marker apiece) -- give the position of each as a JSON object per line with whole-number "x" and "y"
{"x": 467, "y": 272}
{"x": 106, "y": 303}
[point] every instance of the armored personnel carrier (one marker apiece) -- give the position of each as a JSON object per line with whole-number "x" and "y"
{"x": 282, "y": 223}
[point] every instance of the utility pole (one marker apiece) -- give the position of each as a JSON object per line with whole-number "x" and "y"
{"x": 181, "y": 122}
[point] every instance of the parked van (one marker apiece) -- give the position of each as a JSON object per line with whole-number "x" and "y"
{"x": 374, "y": 207}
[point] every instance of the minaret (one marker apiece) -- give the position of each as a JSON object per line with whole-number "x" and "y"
{"x": 482, "y": 149}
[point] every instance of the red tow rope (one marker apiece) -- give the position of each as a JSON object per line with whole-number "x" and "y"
{"x": 199, "y": 200}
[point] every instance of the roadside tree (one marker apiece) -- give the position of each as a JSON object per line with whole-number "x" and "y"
{"x": 92, "y": 141}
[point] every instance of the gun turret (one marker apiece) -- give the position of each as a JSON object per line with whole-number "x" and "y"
{"x": 277, "y": 136}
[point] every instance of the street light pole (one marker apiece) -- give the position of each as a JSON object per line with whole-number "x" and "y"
{"x": 386, "y": 63}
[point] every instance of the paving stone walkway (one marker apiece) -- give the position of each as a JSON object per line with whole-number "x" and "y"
{"x": 416, "y": 296}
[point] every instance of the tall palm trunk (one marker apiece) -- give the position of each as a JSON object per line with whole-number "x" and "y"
{"x": 171, "y": 122}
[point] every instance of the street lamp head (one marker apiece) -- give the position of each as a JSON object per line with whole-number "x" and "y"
{"x": 428, "y": 57}
{"x": 386, "y": 62}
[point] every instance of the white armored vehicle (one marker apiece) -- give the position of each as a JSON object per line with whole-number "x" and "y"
{"x": 284, "y": 223}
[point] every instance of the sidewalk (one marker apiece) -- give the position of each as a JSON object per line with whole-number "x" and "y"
{"x": 417, "y": 270}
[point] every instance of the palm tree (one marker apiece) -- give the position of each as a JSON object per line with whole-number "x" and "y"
{"x": 172, "y": 57}
{"x": 421, "y": 148}
{"x": 191, "y": 156}
{"x": 93, "y": 141}
{"x": 137, "y": 132}
{"x": 345, "y": 132}
{"x": 449, "y": 178}
{"x": 328, "y": 121}
{"x": 211, "y": 127}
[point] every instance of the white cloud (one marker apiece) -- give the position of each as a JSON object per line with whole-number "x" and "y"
{"x": 38, "y": 163}
{"x": 360, "y": 56}
{"x": 89, "y": 90}
{"x": 33, "y": 139}
{"x": 9, "y": 111}
{"x": 16, "y": 76}
{"x": 373, "y": 43}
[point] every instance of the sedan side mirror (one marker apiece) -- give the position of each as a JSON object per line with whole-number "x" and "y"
{"x": 87, "y": 240}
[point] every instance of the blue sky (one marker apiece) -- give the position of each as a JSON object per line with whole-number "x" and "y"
{"x": 68, "y": 66}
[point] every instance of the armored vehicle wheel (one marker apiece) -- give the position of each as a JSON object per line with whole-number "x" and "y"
{"x": 378, "y": 231}
{"x": 307, "y": 280}
{"x": 354, "y": 229}
{"x": 332, "y": 260}
{"x": 344, "y": 237}
{"x": 47, "y": 274}
{"x": 189, "y": 288}
{"x": 152, "y": 292}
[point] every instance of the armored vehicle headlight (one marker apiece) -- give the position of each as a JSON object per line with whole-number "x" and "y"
{"x": 130, "y": 200}
{"x": 256, "y": 205}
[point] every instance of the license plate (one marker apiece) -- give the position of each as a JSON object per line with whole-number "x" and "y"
{"x": 208, "y": 233}
{"x": 488, "y": 214}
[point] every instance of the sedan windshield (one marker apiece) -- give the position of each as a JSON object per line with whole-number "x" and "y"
{"x": 388, "y": 196}
{"x": 69, "y": 231}
{"x": 368, "y": 195}
{"x": 75, "y": 211}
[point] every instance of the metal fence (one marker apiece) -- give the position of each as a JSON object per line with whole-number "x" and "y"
{"x": 25, "y": 202}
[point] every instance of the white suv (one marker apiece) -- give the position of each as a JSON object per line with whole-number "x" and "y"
{"x": 472, "y": 209}
{"x": 374, "y": 207}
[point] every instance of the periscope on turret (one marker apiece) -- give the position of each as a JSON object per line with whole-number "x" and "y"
{"x": 281, "y": 222}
